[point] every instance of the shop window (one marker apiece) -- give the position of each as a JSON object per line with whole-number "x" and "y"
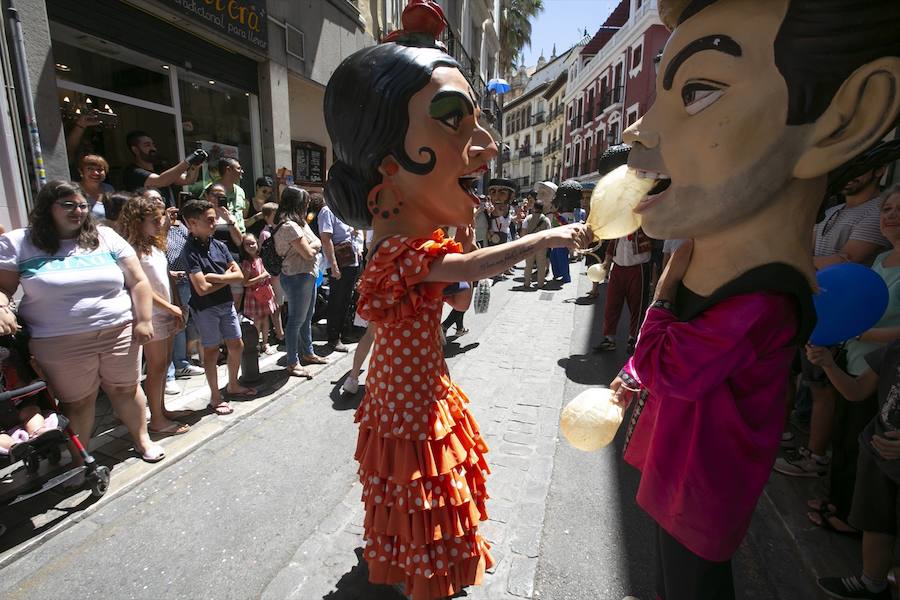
{"x": 218, "y": 120}
{"x": 98, "y": 71}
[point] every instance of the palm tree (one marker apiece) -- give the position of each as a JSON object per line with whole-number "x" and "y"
{"x": 515, "y": 29}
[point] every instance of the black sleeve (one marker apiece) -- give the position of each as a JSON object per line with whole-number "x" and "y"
{"x": 134, "y": 178}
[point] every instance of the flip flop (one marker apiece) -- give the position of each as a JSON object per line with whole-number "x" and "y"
{"x": 298, "y": 371}
{"x": 825, "y": 523}
{"x": 174, "y": 428}
{"x": 154, "y": 455}
{"x": 314, "y": 359}
{"x": 221, "y": 409}
{"x": 245, "y": 395}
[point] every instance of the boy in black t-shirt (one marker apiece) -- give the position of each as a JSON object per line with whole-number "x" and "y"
{"x": 876, "y": 502}
{"x": 211, "y": 269}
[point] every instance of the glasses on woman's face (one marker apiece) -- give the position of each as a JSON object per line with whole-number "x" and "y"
{"x": 94, "y": 169}
{"x": 71, "y": 205}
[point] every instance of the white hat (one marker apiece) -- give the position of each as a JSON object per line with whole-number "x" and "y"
{"x": 548, "y": 185}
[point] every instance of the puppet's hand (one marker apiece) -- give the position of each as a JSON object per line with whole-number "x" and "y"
{"x": 621, "y": 394}
{"x": 674, "y": 272}
{"x": 466, "y": 237}
{"x": 888, "y": 446}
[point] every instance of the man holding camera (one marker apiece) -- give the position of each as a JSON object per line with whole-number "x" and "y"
{"x": 141, "y": 174}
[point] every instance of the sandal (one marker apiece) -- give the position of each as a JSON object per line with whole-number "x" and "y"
{"x": 605, "y": 346}
{"x": 592, "y": 294}
{"x": 154, "y": 454}
{"x": 174, "y": 428}
{"x": 298, "y": 371}
{"x": 314, "y": 359}
{"x": 246, "y": 394}
{"x": 221, "y": 409}
{"x": 829, "y": 521}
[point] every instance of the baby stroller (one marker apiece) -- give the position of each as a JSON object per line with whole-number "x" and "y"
{"x": 20, "y": 386}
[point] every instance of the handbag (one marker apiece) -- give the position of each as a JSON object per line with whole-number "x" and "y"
{"x": 344, "y": 254}
{"x": 271, "y": 260}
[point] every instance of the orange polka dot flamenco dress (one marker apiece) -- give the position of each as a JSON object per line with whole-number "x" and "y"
{"x": 421, "y": 456}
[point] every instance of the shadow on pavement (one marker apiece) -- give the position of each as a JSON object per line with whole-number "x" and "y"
{"x": 454, "y": 348}
{"x": 36, "y": 515}
{"x": 354, "y": 585}
{"x": 341, "y": 400}
{"x": 268, "y": 383}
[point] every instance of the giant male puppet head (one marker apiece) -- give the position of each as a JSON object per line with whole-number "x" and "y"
{"x": 756, "y": 103}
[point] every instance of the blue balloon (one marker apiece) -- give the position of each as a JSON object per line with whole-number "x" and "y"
{"x": 851, "y": 299}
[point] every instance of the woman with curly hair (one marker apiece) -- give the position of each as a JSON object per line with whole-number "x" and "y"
{"x": 87, "y": 305}
{"x": 143, "y": 225}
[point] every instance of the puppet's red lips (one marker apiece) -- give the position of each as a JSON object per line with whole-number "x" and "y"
{"x": 476, "y": 173}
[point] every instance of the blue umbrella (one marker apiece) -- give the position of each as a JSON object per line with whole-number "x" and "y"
{"x": 498, "y": 86}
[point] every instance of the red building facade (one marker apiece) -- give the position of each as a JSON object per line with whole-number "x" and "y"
{"x": 611, "y": 85}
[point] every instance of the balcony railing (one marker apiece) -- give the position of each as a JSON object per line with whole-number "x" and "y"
{"x": 469, "y": 66}
{"x": 575, "y": 123}
{"x": 537, "y": 118}
{"x": 505, "y": 156}
{"x": 611, "y": 97}
{"x": 586, "y": 167}
{"x": 524, "y": 151}
{"x": 537, "y": 154}
{"x": 589, "y": 114}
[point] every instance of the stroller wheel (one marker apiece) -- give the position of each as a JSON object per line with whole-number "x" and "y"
{"x": 99, "y": 481}
{"x": 32, "y": 462}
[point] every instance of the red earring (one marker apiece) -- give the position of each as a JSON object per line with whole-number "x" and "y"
{"x": 375, "y": 203}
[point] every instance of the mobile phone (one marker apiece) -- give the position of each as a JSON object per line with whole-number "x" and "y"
{"x": 223, "y": 201}
{"x": 108, "y": 119}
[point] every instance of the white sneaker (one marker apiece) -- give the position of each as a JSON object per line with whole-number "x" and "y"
{"x": 172, "y": 388}
{"x": 350, "y": 385}
{"x": 189, "y": 371}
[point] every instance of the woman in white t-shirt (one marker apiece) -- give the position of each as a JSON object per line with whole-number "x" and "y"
{"x": 296, "y": 242}
{"x": 142, "y": 223}
{"x": 80, "y": 282}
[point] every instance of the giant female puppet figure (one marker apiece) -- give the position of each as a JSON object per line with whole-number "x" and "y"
{"x": 756, "y": 103}
{"x": 405, "y": 127}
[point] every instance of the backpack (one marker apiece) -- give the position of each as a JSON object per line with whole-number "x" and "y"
{"x": 271, "y": 259}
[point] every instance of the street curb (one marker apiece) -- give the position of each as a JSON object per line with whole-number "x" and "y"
{"x": 140, "y": 471}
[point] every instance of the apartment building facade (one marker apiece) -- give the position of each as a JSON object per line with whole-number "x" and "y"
{"x": 610, "y": 85}
{"x": 532, "y": 123}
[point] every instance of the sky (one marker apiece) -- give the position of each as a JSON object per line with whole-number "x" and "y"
{"x": 563, "y": 22}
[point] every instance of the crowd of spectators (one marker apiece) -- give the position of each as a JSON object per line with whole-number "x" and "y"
{"x": 159, "y": 271}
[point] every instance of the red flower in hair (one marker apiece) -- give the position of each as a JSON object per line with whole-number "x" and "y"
{"x": 420, "y": 17}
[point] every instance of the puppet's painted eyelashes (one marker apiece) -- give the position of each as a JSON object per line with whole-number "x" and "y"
{"x": 699, "y": 96}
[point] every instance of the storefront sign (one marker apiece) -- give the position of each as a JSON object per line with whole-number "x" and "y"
{"x": 309, "y": 163}
{"x": 243, "y": 20}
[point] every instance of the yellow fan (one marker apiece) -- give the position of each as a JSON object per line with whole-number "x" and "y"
{"x": 590, "y": 421}
{"x": 613, "y": 201}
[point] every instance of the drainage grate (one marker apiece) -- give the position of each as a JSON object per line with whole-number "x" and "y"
{"x": 546, "y": 296}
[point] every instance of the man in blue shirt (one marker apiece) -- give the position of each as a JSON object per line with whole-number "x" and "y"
{"x": 211, "y": 270}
